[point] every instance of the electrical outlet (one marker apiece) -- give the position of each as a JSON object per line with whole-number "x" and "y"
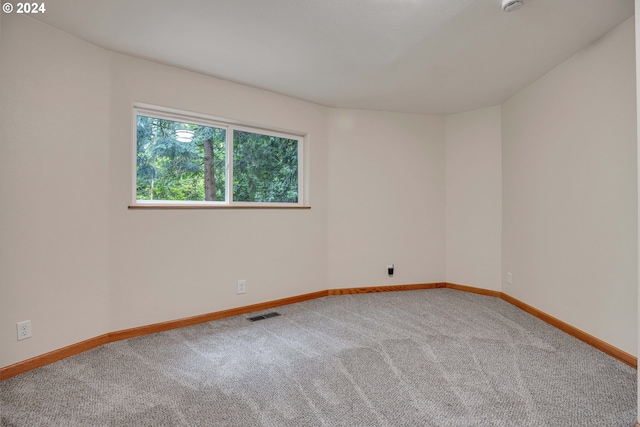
{"x": 509, "y": 279}
{"x": 24, "y": 330}
{"x": 242, "y": 286}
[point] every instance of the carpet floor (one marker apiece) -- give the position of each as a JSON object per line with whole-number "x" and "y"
{"x": 416, "y": 358}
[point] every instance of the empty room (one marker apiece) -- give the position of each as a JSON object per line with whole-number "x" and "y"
{"x": 318, "y": 213}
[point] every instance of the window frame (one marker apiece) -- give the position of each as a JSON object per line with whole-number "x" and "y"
{"x": 164, "y": 113}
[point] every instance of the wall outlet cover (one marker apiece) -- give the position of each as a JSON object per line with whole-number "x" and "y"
{"x": 242, "y": 286}
{"x": 24, "y": 330}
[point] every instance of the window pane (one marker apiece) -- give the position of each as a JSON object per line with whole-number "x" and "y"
{"x": 265, "y": 168}
{"x": 179, "y": 161}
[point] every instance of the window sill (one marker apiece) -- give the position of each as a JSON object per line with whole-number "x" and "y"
{"x": 171, "y": 207}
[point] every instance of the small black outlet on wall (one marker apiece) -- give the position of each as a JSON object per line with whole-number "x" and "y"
{"x": 390, "y": 269}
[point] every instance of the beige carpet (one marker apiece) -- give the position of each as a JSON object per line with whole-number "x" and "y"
{"x": 418, "y": 358}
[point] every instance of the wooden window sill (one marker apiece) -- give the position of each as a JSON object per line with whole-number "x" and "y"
{"x": 171, "y": 207}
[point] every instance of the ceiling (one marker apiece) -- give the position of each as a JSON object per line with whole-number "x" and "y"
{"x": 421, "y": 56}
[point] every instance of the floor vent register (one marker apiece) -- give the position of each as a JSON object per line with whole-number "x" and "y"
{"x": 264, "y": 316}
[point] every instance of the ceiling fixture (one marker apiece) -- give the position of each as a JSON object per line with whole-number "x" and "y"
{"x": 511, "y": 5}
{"x": 184, "y": 135}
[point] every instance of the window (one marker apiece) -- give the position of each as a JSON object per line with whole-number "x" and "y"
{"x": 184, "y": 159}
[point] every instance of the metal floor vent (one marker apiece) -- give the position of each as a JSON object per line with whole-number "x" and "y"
{"x": 264, "y": 316}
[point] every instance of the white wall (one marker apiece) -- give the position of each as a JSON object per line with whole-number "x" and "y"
{"x": 474, "y": 198}
{"x": 104, "y": 267}
{"x": 75, "y": 260}
{"x": 387, "y": 204}
{"x": 570, "y": 191}
{"x": 78, "y": 263}
{"x": 54, "y": 140}
{"x": 178, "y": 263}
{"x": 637, "y": 31}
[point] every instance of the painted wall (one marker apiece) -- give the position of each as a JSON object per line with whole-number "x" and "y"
{"x": 387, "y": 205}
{"x": 384, "y": 188}
{"x": 474, "y": 198}
{"x": 128, "y": 268}
{"x": 637, "y": 33}
{"x": 54, "y": 141}
{"x": 177, "y": 263}
{"x": 75, "y": 260}
{"x": 570, "y": 191}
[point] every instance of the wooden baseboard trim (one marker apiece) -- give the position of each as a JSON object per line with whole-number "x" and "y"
{"x": 208, "y": 317}
{"x": 473, "y": 290}
{"x": 606, "y": 348}
{"x": 52, "y": 356}
{"x": 71, "y": 350}
{"x": 393, "y": 288}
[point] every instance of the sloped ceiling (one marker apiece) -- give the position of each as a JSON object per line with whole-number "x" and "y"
{"x": 422, "y": 56}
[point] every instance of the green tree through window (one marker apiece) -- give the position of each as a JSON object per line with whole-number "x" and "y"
{"x": 181, "y": 161}
{"x": 176, "y": 165}
{"x": 265, "y": 168}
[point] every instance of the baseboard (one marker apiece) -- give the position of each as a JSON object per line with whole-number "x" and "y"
{"x": 52, "y": 356}
{"x": 473, "y": 290}
{"x": 394, "y": 288}
{"x": 208, "y": 317}
{"x": 607, "y": 348}
{"x": 71, "y": 350}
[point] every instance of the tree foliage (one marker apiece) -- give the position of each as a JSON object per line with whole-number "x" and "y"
{"x": 170, "y": 167}
{"x": 265, "y": 168}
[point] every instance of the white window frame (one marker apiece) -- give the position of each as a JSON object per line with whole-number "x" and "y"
{"x": 164, "y": 113}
